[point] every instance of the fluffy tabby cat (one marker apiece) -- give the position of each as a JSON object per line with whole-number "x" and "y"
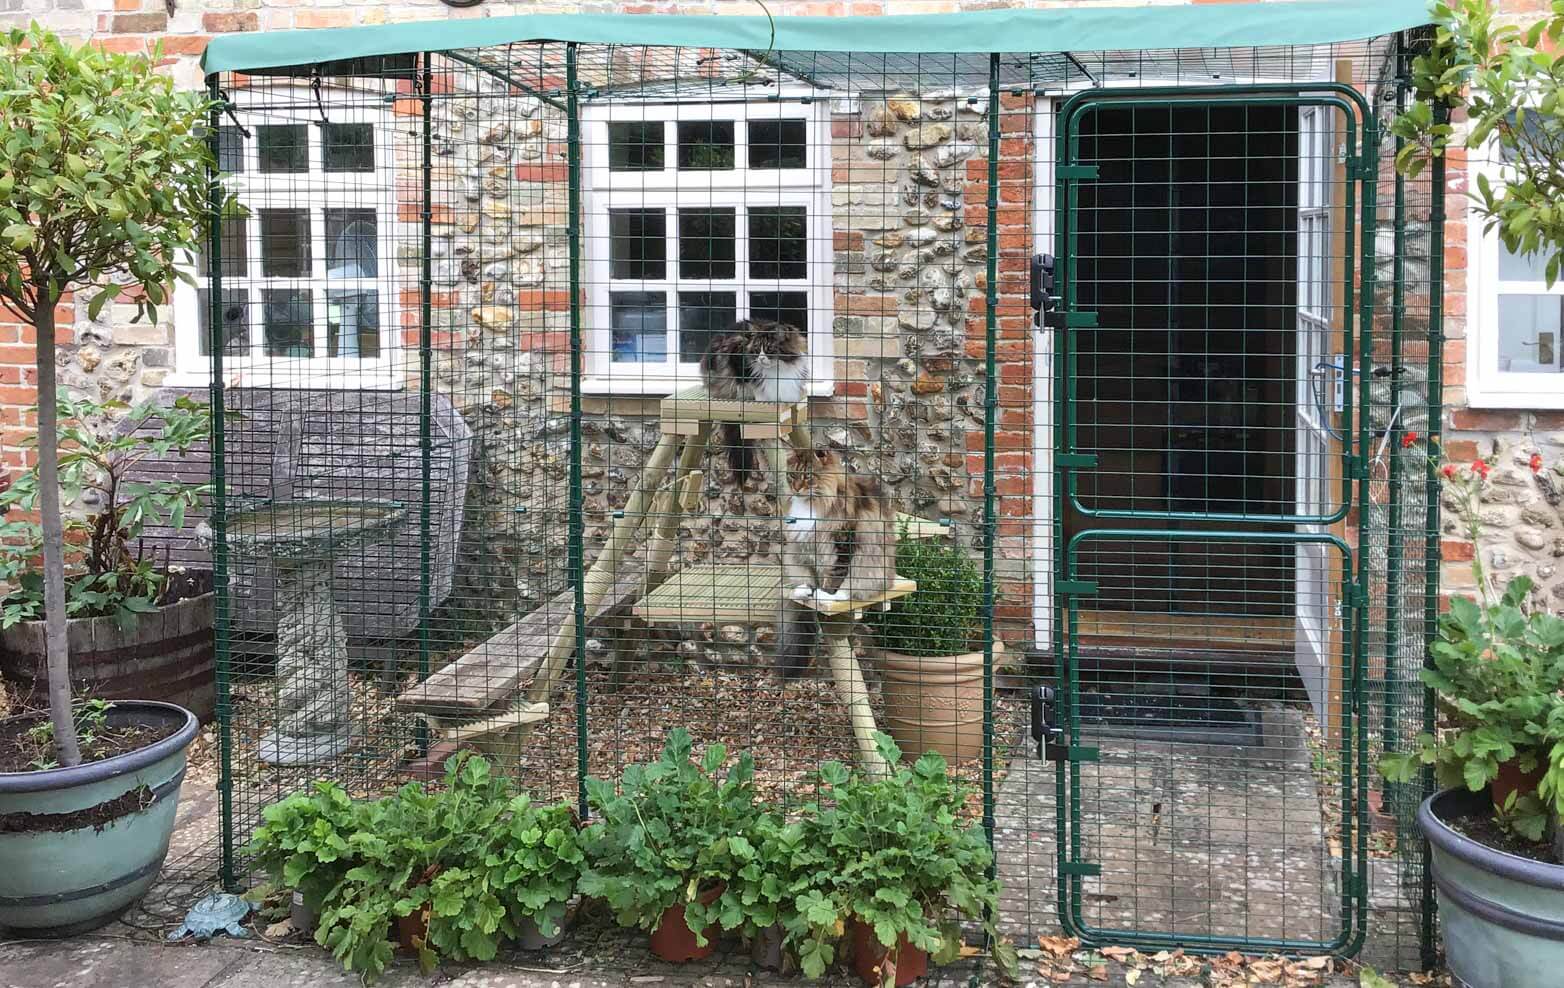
{"x": 840, "y": 545}
{"x": 754, "y": 360}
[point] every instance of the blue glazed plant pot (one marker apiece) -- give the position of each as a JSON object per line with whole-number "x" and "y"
{"x": 1502, "y": 915}
{"x": 58, "y": 882}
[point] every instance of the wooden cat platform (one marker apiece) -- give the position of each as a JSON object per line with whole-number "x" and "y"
{"x": 470, "y": 699}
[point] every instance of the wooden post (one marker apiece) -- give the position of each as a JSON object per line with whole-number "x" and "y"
{"x": 837, "y": 630}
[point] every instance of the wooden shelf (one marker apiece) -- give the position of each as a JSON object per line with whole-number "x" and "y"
{"x": 682, "y": 414}
{"x": 736, "y": 594}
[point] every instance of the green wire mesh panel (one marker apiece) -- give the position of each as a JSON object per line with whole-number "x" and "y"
{"x": 498, "y": 471}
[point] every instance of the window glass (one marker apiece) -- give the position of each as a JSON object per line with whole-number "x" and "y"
{"x": 789, "y": 307}
{"x": 286, "y": 317}
{"x": 637, "y": 244}
{"x": 1529, "y": 333}
{"x": 778, "y": 248}
{"x": 707, "y": 243}
{"x": 635, "y": 146}
{"x": 348, "y": 147}
{"x": 777, "y": 144}
{"x": 351, "y": 243}
{"x": 235, "y": 316}
{"x": 284, "y": 148}
{"x": 700, "y": 315}
{"x": 640, "y": 326}
{"x": 285, "y": 243}
{"x": 353, "y": 323}
{"x": 705, "y": 145}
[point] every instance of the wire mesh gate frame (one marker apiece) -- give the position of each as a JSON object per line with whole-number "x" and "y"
{"x": 423, "y": 92}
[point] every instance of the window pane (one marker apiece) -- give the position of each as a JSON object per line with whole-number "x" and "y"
{"x": 640, "y": 323}
{"x": 350, "y": 243}
{"x": 1529, "y": 333}
{"x": 235, "y": 249}
{"x": 777, "y": 144}
{"x": 284, "y": 147}
{"x": 707, "y": 241}
{"x": 286, "y": 318}
{"x": 285, "y": 243}
{"x": 700, "y": 315}
{"x": 705, "y": 145}
{"x": 348, "y": 147}
{"x": 637, "y": 243}
{"x": 789, "y": 307}
{"x": 230, "y": 150}
{"x": 635, "y": 146}
{"x": 1517, "y": 267}
{"x": 236, "y": 322}
{"x": 352, "y": 324}
{"x": 777, "y": 245}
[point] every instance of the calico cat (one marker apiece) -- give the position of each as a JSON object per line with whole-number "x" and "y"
{"x": 754, "y": 360}
{"x": 839, "y": 545}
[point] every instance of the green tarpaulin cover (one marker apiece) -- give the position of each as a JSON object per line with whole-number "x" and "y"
{"x": 1074, "y": 29}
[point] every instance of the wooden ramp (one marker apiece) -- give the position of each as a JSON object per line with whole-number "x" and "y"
{"x": 476, "y": 684}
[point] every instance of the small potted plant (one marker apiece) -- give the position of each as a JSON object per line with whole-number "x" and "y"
{"x": 449, "y": 874}
{"x": 903, "y": 870}
{"x": 105, "y": 183}
{"x": 1496, "y": 832}
{"x": 931, "y": 659}
{"x": 663, "y": 846}
{"x": 144, "y": 627}
{"x": 769, "y": 896}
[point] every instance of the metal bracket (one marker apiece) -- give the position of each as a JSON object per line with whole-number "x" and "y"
{"x": 1046, "y": 731}
{"x": 1075, "y": 588}
{"x": 1077, "y": 173}
{"x": 1082, "y": 869}
{"x": 1076, "y": 461}
{"x": 1057, "y": 319}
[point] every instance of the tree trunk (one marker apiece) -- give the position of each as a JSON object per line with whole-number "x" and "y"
{"x": 53, "y": 538}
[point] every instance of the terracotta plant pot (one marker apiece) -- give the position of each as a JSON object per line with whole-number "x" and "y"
{"x": 935, "y": 702}
{"x": 412, "y": 930}
{"x": 1512, "y": 779}
{"x": 869, "y": 958}
{"x": 673, "y": 940}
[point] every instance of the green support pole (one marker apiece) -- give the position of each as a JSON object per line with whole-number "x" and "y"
{"x": 990, "y": 402}
{"x": 577, "y": 561}
{"x": 221, "y": 629}
{"x": 1427, "y": 935}
{"x": 425, "y": 400}
{"x": 1393, "y": 543}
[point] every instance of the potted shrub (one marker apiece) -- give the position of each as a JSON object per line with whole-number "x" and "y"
{"x": 663, "y": 846}
{"x": 449, "y": 874}
{"x": 143, "y": 628}
{"x": 104, "y": 184}
{"x": 1496, "y": 833}
{"x": 932, "y": 660}
{"x": 903, "y": 869}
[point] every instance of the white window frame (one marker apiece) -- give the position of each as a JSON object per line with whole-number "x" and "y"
{"x": 317, "y": 191}
{"x": 671, "y": 189}
{"x": 1486, "y": 385}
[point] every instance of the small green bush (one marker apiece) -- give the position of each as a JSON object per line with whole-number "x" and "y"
{"x": 942, "y": 616}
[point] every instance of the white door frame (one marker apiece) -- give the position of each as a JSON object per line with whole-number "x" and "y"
{"x": 1043, "y": 506}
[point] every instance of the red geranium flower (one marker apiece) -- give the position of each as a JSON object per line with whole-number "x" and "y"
{"x": 1480, "y": 468}
{"x": 1449, "y": 471}
{"x": 1536, "y": 463}
{"x": 1407, "y": 439}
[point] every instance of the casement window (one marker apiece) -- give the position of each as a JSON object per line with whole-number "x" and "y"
{"x": 698, "y": 215}
{"x": 309, "y": 295}
{"x": 1514, "y": 349}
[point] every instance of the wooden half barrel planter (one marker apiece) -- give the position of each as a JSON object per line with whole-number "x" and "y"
{"x": 167, "y": 656}
{"x": 78, "y": 845}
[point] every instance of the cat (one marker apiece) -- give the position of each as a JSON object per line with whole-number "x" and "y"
{"x": 754, "y": 360}
{"x": 840, "y": 544}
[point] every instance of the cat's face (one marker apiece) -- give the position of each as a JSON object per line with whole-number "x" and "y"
{"x": 814, "y": 473}
{"x": 776, "y": 340}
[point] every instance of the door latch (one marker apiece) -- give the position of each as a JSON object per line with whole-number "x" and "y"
{"x": 1046, "y": 731}
{"x": 1043, "y": 286}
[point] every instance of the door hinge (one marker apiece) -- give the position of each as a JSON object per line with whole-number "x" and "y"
{"x": 1076, "y": 173}
{"x": 1058, "y": 319}
{"x": 1080, "y": 869}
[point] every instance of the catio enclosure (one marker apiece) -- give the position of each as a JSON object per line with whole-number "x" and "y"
{"x": 1124, "y": 310}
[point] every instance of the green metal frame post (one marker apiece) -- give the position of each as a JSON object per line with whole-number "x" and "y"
{"x": 990, "y": 403}
{"x": 425, "y": 398}
{"x": 577, "y": 560}
{"x": 222, "y": 627}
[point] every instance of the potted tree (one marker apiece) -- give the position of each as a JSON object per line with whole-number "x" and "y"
{"x": 105, "y": 179}
{"x": 1498, "y": 666}
{"x": 903, "y": 869}
{"x": 143, "y": 628}
{"x": 931, "y": 660}
{"x": 663, "y": 846}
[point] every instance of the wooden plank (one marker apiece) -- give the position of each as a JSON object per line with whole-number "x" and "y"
{"x": 695, "y": 405}
{"x": 901, "y": 588}
{"x": 737, "y": 594}
{"x": 920, "y": 528}
{"x": 1205, "y": 631}
{"x": 522, "y": 713}
{"x": 491, "y": 673}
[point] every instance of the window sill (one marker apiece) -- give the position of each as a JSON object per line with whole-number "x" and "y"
{"x": 662, "y": 387}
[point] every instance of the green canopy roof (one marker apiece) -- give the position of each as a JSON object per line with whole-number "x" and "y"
{"x": 1073, "y": 29}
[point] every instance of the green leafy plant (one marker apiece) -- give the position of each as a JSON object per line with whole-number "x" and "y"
{"x": 1509, "y": 81}
{"x": 104, "y": 185}
{"x": 104, "y": 442}
{"x": 92, "y": 729}
{"x": 942, "y": 616}
{"x": 1496, "y": 671}
{"x": 899, "y": 858}
{"x": 671, "y": 830}
{"x": 467, "y": 862}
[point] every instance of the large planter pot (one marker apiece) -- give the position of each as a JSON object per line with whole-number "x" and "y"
{"x": 674, "y": 941}
{"x": 58, "y": 882}
{"x": 530, "y": 937}
{"x": 935, "y": 702}
{"x": 869, "y": 957}
{"x": 1502, "y": 915}
{"x": 166, "y": 657}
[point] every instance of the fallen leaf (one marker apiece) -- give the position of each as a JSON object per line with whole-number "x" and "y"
{"x": 280, "y": 929}
{"x": 1318, "y": 963}
{"x": 967, "y": 950}
{"x": 1098, "y": 973}
{"x": 1132, "y": 977}
{"x": 1266, "y": 972}
{"x": 1120, "y": 954}
{"x": 1059, "y": 946}
{"x": 1370, "y": 978}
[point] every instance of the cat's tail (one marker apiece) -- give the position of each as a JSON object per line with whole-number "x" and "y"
{"x": 741, "y": 451}
{"x": 798, "y": 631}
